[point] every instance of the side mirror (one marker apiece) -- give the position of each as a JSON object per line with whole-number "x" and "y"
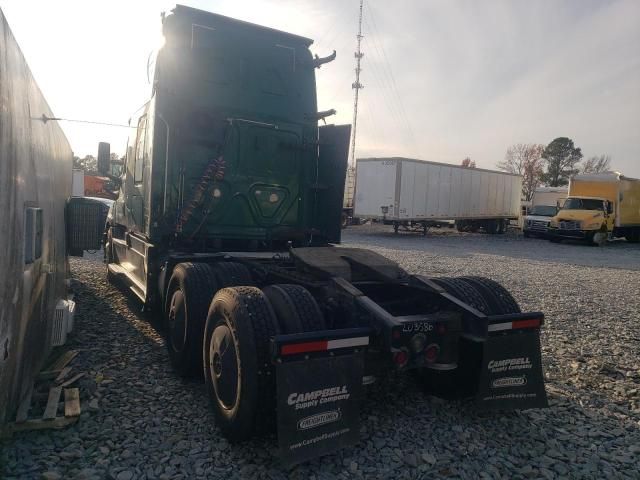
{"x": 104, "y": 158}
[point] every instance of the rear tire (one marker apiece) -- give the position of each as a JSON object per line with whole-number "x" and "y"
{"x": 239, "y": 377}
{"x": 461, "y": 382}
{"x": 232, "y": 274}
{"x": 191, "y": 288}
{"x": 463, "y": 291}
{"x": 491, "y": 227}
{"x": 633, "y": 236}
{"x": 497, "y": 297}
{"x": 295, "y": 308}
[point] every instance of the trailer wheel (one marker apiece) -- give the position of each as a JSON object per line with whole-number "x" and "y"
{"x": 463, "y": 291}
{"x": 189, "y": 294}
{"x": 497, "y": 297}
{"x": 239, "y": 377}
{"x": 491, "y": 227}
{"x": 295, "y": 308}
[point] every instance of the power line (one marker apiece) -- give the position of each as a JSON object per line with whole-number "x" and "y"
{"x": 45, "y": 119}
{"x": 390, "y": 74}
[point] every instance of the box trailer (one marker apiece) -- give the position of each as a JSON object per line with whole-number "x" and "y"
{"x": 404, "y": 192}
{"x": 35, "y": 182}
{"x": 599, "y": 206}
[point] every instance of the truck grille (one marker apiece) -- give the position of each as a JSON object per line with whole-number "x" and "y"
{"x": 570, "y": 225}
{"x": 540, "y": 225}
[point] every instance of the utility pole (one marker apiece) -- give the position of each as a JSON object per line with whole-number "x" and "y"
{"x": 351, "y": 170}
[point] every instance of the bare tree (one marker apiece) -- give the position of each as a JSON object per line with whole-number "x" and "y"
{"x": 468, "y": 163}
{"x": 597, "y": 164}
{"x": 525, "y": 159}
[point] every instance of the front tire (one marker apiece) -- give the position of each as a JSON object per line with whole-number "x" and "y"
{"x": 239, "y": 377}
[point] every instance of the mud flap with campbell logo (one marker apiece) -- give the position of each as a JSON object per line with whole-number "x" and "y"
{"x": 318, "y": 405}
{"x": 511, "y": 375}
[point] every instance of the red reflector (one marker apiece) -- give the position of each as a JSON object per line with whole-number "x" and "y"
{"x": 441, "y": 329}
{"x": 396, "y": 334}
{"x": 526, "y": 323}
{"x": 431, "y": 353}
{"x": 400, "y": 358}
{"x": 304, "y": 347}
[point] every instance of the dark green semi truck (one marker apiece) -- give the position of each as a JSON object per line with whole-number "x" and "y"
{"x": 228, "y": 223}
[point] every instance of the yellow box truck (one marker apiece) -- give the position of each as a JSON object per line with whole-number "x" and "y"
{"x": 599, "y": 206}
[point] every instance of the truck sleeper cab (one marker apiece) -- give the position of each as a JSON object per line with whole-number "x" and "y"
{"x": 227, "y": 224}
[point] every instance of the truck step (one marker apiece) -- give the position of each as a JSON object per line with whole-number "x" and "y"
{"x": 116, "y": 269}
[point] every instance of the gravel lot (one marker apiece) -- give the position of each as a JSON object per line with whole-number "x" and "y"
{"x": 141, "y": 421}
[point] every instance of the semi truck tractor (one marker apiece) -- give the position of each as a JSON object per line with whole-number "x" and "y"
{"x": 228, "y": 226}
{"x": 416, "y": 194}
{"x": 600, "y": 206}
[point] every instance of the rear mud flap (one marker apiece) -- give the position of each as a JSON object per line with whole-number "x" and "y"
{"x": 511, "y": 376}
{"x": 318, "y": 405}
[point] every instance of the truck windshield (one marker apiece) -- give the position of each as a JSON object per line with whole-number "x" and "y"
{"x": 544, "y": 210}
{"x": 583, "y": 204}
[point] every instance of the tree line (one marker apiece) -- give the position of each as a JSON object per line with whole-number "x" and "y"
{"x": 89, "y": 163}
{"x": 552, "y": 165}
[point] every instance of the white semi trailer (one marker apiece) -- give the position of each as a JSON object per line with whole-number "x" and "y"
{"x": 416, "y": 194}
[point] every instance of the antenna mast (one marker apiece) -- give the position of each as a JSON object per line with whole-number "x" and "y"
{"x": 351, "y": 169}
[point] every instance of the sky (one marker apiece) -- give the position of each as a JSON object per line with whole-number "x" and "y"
{"x": 443, "y": 79}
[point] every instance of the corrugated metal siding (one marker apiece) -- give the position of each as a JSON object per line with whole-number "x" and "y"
{"x": 35, "y": 172}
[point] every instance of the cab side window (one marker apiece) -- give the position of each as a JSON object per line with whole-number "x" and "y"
{"x": 140, "y": 146}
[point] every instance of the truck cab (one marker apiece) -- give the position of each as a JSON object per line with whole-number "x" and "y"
{"x": 587, "y": 218}
{"x": 536, "y": 222}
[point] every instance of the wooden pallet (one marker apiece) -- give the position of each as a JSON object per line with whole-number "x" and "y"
{"x": 50, "y": 417}
{"x": 57, "y": 373}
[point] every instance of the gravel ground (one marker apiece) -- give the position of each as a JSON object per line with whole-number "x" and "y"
{"x": 140, "y": 420}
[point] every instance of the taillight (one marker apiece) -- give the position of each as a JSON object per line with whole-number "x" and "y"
{"x": 441, "y": 328}
{"x": 400, "y": 358}
{"x": 431, "y": 353}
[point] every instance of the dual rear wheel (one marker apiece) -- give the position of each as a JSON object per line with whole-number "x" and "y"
{"x": 219, "y": 324}
{"x": 238, "y": 372}
{"x": 488, "y": 297}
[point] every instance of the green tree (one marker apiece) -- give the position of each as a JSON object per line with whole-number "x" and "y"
{"x": 561, "y": 157}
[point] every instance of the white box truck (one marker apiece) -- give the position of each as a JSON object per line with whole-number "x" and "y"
{"x": 545, "y": 203}
{"x": 408, "y": 193}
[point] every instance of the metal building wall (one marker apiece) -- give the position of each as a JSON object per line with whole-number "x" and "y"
{"x": 35, "y": 171}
